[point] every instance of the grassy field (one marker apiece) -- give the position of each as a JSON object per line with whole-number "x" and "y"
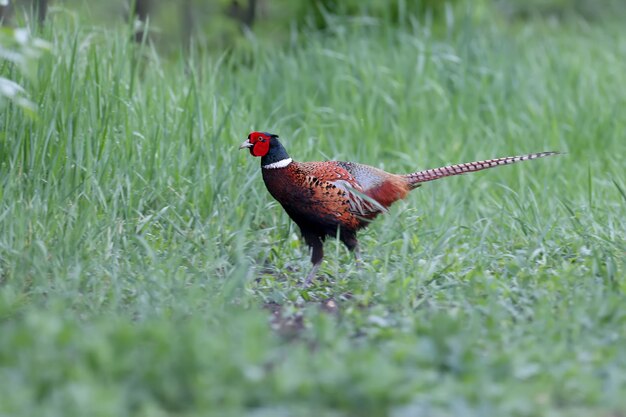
{"x": 146, "y": 271}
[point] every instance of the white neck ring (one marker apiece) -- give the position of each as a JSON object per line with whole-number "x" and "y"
{"x": 279, "y": 164}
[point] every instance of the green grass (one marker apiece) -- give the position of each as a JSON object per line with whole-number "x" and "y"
{"x": 146, "y": 271}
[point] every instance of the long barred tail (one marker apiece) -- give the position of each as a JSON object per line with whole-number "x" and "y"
{"x": 416, "y": 178}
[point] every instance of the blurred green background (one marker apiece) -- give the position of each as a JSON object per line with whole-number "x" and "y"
{"x": 221, "y": 24}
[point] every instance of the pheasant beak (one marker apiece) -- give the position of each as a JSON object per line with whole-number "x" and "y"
{"x": 246, "y": 144}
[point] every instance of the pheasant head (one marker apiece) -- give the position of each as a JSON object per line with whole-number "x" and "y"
{"x": 268, "y": 148}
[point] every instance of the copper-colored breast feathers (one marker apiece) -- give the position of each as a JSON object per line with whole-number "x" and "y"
{"x": 331, "y": 194}
{"x": 309, "y": 199}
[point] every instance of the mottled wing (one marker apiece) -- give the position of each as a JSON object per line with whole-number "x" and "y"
{"x": 338, "y": 174}
{"x": 360, "y": 203}
{"x": 328, "y": 202}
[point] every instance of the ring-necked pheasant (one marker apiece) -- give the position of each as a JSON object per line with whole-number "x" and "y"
{"x": 322, "y": 197}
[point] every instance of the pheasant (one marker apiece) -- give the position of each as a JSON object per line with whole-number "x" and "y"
{"x": 324, "y": 198}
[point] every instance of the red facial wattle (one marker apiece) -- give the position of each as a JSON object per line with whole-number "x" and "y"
{"x": 260, "y": 148}
{"x": 260, "y": 144}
